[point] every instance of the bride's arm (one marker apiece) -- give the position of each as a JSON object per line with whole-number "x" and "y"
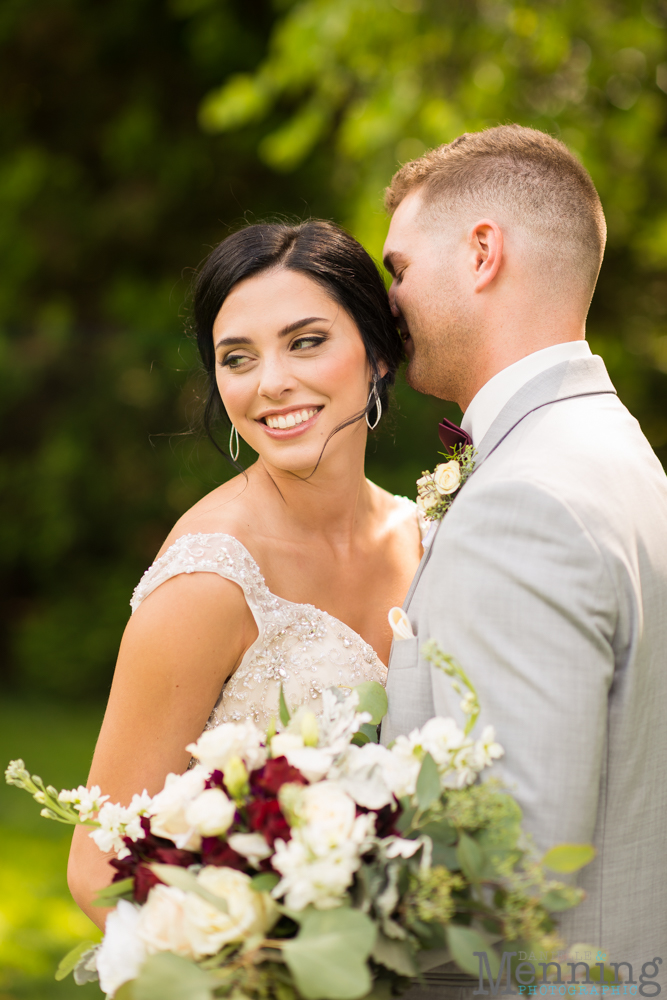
{"x": 178, "y": 649}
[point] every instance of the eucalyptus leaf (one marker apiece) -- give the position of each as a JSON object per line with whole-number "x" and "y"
{"x": 166, "y": 976}
{"x": 69, "y": 962}
{"x": 181, "y": 878}
{"x": 264, "y": 882}
{"x": 428, "y": 783}
{"x": 440, "y": 833}
{"x": 110, "y": 894}
{"x": 283, "y": 710}
{"x": 328, "y": 958}
{"x": 360, "y": 739}
{"x": 566, "y": 858}
{"x": 557, "y": 900}
{"x": 446, "y": 856}
{"x": 463, "y": 942}
{"x": 470, "y": 857}
{"x": 372, "y": 699}
{"x": 394, "y": 955}
{"x": 125, "y": 991}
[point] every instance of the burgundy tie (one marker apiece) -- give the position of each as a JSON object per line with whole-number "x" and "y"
{"x": 451, "y": 435}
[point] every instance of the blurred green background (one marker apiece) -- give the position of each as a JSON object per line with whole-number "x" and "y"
{"x": 134, "y": 135}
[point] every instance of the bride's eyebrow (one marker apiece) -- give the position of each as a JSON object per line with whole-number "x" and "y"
{"x": 291, "y": 327}
{"x": 286, "y": 330}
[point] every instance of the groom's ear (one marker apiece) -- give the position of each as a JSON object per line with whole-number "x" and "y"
{"x": 486, "y": 252}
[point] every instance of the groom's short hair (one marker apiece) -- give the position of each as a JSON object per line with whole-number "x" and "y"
{"x": 528, "y": 175}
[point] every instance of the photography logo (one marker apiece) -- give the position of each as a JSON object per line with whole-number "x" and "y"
{"x": 598, "y": 979}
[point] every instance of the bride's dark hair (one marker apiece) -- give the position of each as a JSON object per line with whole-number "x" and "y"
{"x": 322, "y": 251}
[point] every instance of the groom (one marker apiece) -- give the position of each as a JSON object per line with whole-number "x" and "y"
{"x": 547, "y": 578}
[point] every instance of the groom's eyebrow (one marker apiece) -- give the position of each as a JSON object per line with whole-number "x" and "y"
{"x": 390, "y": 260}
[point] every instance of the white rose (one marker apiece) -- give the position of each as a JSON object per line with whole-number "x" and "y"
{"x": 122, "y": 952}
{"x": 250, "y": 913}
{"x": 427, "y": 498}
{"x": 162, "y": 921}
{"x": 252, "y": 846}
{"x": 447, "y": 477}
{"x": 232, "y": 739}
{"x": 169, "y": 806}
{"x": 327, "y": 814}
{"x": 211, "y": 813}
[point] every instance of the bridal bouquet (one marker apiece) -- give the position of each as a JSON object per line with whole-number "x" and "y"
{"x": 312, "y": 862}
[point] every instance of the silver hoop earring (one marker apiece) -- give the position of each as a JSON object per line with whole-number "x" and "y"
{"x": 234, "y": 445}
{"x": 374, "y": 397}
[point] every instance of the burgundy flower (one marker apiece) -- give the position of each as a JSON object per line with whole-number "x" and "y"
{"x": 216, "y": 852}
{"x": 215, "y": 780}
{"x": 150, "y": 848}
{"x": 274, "y": 775}
{"x": 265, "y": 816}
{"x": 385, "y": 819}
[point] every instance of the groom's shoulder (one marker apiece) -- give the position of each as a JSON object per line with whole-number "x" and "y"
{"x": 587, "y": 453}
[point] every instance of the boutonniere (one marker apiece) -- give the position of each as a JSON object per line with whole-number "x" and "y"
{"x": 437, "y": 490}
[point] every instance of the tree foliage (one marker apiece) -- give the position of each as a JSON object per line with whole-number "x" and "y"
{"x": 134, "y": 133}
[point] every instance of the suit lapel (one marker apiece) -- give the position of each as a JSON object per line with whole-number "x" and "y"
{"x": 581, "y": 377}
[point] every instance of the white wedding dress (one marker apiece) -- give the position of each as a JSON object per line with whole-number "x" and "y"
{"x": 304, "y": 649}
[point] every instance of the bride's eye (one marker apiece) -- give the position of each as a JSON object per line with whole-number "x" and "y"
{"x": 234, "y": 361}
{"x": 303, "y": 343}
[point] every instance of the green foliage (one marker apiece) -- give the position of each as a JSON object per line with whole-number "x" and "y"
{"x": 428, "y": 783}
{"x": 372, "y": 699}
{"x": 282, "y": 708}
{"x": 463, "y": 942}
{"x": 72, "y": 959}
{"x": 169, "y": 977}
{"x": 566, "y": 858}
{"x": 328, "y": 956}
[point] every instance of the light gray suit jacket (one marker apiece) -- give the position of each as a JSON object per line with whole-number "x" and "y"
{"x": 547, "y": 580}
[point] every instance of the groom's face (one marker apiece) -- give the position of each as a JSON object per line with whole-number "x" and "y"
{"x": 427, "y": 263}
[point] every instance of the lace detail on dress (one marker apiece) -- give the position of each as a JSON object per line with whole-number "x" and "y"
{"x": 304, "y": 649}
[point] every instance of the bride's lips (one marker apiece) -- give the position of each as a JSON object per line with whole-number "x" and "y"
{"x": 303, "y": 416}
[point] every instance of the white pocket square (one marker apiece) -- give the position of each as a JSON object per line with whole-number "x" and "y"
{"x": 400, "y": 624}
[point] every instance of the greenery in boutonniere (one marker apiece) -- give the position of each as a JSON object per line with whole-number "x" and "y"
{"x": 436, "y": 490}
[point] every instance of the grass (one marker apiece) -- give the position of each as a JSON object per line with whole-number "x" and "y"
{"x": 39, "y": 922}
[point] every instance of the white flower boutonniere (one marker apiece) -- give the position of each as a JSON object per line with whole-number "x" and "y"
{"x": 436, "y": 490}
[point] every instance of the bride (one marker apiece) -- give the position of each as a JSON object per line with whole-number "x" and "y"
{"x": 284, "y": 574}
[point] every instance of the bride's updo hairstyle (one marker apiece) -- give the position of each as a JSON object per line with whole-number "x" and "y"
{"x": 322, "y": 251}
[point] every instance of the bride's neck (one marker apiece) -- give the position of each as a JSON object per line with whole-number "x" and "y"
{"x": 332, "y": 501}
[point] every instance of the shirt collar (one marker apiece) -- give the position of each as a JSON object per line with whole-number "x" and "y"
{"x": 498, "y": 391}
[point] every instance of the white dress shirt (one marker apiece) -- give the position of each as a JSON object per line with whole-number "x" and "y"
{"x": 491, "y": 398}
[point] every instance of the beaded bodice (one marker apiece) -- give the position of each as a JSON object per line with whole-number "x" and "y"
{"x": 304, "y": 649}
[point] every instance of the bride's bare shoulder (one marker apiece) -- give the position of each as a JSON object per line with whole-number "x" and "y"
{"x": 225, "y": 510}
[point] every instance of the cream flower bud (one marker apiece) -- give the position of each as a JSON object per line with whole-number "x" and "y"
{"x": 236, "y": 777}
{"x": 309, "y": 729}
{"x": 427, "y": 498}
{"x": 447, "y": 477}
{"x": 211, "y": 813}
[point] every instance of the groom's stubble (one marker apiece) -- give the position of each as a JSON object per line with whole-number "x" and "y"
{"x": 445, "y": 342}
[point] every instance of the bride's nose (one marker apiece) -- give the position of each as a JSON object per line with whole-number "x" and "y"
{"x": 275, "y": 378}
